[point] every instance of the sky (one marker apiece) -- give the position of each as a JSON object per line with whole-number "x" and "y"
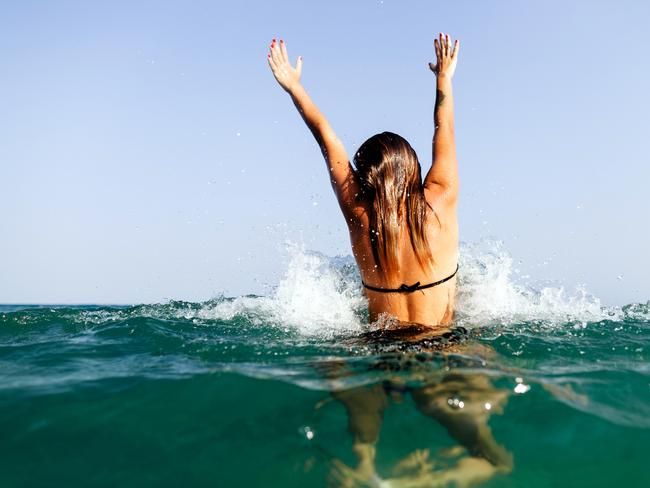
{"x": 147, "y": 154}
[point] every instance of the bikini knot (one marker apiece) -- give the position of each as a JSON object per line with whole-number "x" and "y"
{"x": 409, "y": 288}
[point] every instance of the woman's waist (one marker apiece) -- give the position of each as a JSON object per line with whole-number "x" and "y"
{"x": 414, "y": 337}
{"x": 405, "y": 311}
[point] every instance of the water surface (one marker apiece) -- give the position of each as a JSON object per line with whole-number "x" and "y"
{"x": 258, "y": 391}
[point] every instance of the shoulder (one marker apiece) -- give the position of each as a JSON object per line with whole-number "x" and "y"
{"x": 441, "y": 196}
{"x": 357, "y": 217}
{"x": 442, "y": 211}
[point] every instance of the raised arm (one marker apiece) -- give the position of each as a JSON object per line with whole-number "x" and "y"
{"x": 441, "y": 182}
{"x": 342, "y": 176}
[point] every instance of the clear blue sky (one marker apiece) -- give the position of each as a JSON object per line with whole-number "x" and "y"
{"x": 146, "y": 152}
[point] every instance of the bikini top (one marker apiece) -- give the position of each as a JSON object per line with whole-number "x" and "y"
{"x": 404, "y": 288}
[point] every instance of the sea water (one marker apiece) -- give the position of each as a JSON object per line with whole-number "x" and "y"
{"x": 252, "y": 390}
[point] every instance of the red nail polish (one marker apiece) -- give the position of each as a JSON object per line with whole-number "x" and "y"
{"x": 273, "y": 39}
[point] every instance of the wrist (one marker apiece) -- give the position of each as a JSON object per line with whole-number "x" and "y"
{"x": 443, "y": 78}
{"x": 293, "y": 88}
{"x": 443, "y": 83}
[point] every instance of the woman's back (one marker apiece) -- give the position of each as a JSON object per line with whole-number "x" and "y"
{"x": 429, "y": 306}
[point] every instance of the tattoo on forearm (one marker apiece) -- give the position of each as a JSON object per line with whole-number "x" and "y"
{"x": 440, "y": 97}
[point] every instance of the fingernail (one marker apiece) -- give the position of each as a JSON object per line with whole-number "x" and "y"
{"x": 268, "y": 56}
{"x": 273, "y": 39}
{"x": 281, "y": 41}
{"x": 300, "y": 58}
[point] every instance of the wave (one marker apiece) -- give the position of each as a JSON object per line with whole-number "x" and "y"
{"x": 321, "y": 296}
{"x": 562, "y": 341}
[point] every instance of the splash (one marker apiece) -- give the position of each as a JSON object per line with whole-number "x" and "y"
{"x": 321, "y": 295}
{"x": 318, "y": 295}
{"x": 490, "y": 293}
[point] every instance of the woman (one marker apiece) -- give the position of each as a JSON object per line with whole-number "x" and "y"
{"x": 403, "y": 231}
{"x": 404, "y": 235}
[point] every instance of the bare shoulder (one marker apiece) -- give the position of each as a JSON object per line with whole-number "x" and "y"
{"x": 443, "y": 208}
{"x": 441, "y": 196}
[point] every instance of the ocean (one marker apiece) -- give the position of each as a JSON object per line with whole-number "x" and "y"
{"x": 541, "y": 386}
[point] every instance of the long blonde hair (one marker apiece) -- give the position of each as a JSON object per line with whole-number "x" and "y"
{"x": 391, "y": 183}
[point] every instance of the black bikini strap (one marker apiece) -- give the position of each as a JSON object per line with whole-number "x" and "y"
{"x": 410, "y": 288}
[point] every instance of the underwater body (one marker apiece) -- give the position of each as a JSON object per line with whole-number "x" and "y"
{"x": 548, "y": 386}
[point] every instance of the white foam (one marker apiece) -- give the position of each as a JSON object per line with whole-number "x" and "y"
{"x": 488, "y": 292}
{"x": 318, "y": 295}
{"x": 322, "y": 296}
{"x": 315, "y": 293}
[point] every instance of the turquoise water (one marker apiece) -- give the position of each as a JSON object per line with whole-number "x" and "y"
{"x": 256, "y": 391}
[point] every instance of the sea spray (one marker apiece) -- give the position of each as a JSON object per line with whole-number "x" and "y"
{"x": 318, "y": 296}
{"x": 489, "y": 292}
{"x": 321, "y": 295}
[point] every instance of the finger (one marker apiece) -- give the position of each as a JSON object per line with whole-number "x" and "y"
{"x": 448, "y": 44}
{"x": 433, "y": 67}
{"x": 271, "y": 63}
{"x": 283, "y": 50}
{"x": 456, "y": 48}
{"x": 275, "y": 52}
{"x": 442, "y": 44}
{"x": 276, "y": 55}
{"x": 438, "y": 50}
{"x": 299, "y": 65}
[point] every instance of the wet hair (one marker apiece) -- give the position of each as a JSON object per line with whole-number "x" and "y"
{"x": 391, "y": 183}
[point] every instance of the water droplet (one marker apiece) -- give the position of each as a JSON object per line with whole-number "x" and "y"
{"x": 455, "y": 403}
{"x": 522, "y": 388}
{"x": 309, "y": 434}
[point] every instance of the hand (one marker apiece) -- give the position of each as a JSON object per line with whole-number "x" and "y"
{"x": 446, "y": 57}
{"x": 285, "y": 74}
